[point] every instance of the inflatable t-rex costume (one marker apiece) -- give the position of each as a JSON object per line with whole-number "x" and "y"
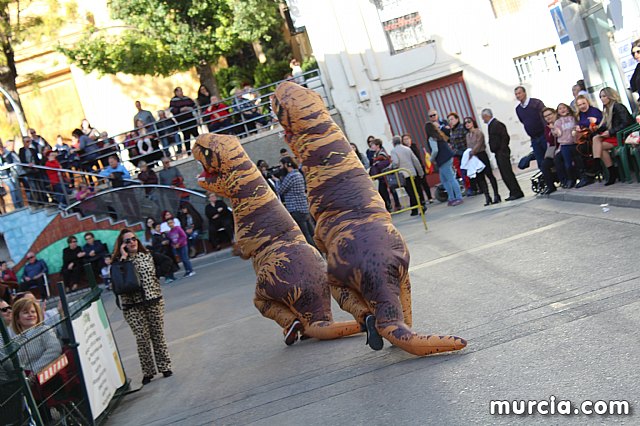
{"x": 291, "y": 286}
{"x": 366, "y": 254}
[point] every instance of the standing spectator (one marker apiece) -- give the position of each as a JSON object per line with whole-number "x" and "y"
{"x": 563, "y": 129}
{"x": 379, "y": 163}
{"x": 475, "y": 142}
{"x": 168, "y": 132}
{"x": 164, "y": 225}
{"x": 408, "y": 141}
{"x": 72, "y": 264}
{"x": 615, "y": 118}
{"x": 220, "y": 218}
{"x": 217, "y": 117}
{"x": 171, "y": 176}
{"x": 529, "y": 112}
{"x": 296, "y": 71}
{"x": 88, "y": 149}
{"x": 191, "y": 223}
{"x": 441, "y": 125}
{"x": 160, "y": 243}
{"x": 180, "y": 246}
{"x": 89, "y": 130}
{"x": 146, "y": 117}
{"x": 39, "y": 143}
{"x": 458, "y": 143}
{"x": 34, "y": 275}
{"x": 442, "y": 154}
{"x": 499, "y": 145}
{"x": 293, "y": 192}
{"x": 95, "y": 251}
{"x": 402, "y": 157}
{"x": 144, "y": 310}
{"x": 370, "y": 152}
{"x": 204, "y": 97}
{"x": 7, "y": 177}
{"x": 553, "y": 156}
{"x": 182, "y": 108}
{"x": 272, "y": 180}
{"x": 56, "y": 178}
{"x": 361, "y": 157}
{"x": 33, "y": 178}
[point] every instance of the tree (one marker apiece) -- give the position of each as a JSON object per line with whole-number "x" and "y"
{"x": 17, "y": 21}
{"x": 167, "y": 36}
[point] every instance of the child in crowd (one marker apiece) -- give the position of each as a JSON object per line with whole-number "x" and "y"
{"x": 105, "y": 272}
{"x": 180, "y": 246}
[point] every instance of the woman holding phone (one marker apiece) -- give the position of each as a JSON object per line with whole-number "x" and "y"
{"x": 144, "y": 310}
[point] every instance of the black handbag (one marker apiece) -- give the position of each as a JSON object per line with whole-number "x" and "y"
{"x": 124, "y": 278}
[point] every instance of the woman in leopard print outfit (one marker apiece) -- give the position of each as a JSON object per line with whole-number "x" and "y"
{"x": 144, "y": 310}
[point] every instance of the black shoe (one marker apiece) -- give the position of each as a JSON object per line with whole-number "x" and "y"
{"x": 584, "y": 181}
{"x": 415, "y": 212}
{"x": 488, "y": 201}
{"x": 514, "y": 197}
{"x": 292, "y": 334}
{"x": 497, "y": 199}
{"x": 374, "y": 340}
{"x": 167, "y": 373}
{"x": 613, "y": 175}
{"x": 146, "y": 380}
{"x": 549, "y": 190}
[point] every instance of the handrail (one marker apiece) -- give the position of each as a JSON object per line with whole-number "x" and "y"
{"x": 415, "y": 191}
{"x": 125, "y": 188}
{"x": 70, "y": 171}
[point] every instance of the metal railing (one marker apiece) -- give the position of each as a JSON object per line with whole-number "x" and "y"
{"x": 244, "y": 114}
{"x": 396, "y": 173}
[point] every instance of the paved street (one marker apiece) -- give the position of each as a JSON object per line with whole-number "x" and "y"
{"x": 545, "y": 291}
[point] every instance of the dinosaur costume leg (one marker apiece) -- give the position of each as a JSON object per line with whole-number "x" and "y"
{"x": 276, "y": 311}
{"x": 350, "y": 301}
{"x": 405, "y": 297}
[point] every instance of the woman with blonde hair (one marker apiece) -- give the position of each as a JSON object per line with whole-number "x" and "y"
{"x": 616, "y": 117}
{"x": 42, "y": 346}
{"x": 144, "y": 309}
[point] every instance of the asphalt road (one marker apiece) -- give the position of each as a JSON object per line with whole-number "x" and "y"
{"x": 545, "y": 291}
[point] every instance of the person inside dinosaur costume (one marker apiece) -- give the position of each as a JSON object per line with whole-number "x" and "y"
{"x": 291, "y": 286}
{"x": 366, "y": 254}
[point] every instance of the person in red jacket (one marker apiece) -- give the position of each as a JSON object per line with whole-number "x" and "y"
{"x": 55, "y": 178}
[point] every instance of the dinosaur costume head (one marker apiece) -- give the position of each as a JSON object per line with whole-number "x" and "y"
{"x": 224, "y": 162}
{"x": 300, "y": 111}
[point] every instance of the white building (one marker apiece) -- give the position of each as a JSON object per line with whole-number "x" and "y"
{"x": 387, "y": 62}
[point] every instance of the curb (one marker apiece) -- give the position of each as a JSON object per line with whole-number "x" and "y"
{"x": 576, "y": 197}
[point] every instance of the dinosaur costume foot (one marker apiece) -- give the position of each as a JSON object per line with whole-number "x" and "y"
{"x": 292, "y": 333}
{"x": 327, "y": 330}
{"x": 374, "y": 340}
{"x": 421, "y": 345}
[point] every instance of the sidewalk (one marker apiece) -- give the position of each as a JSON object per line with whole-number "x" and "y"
{"x": 619, "y": 194}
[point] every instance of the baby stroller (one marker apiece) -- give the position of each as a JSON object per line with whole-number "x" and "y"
{"x": 538, "y": 185}
{"x": 441, "y": 193}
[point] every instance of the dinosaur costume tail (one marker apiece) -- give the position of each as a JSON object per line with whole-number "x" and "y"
{"x": 325, "y": 330}
{"x": 418, "y": 344}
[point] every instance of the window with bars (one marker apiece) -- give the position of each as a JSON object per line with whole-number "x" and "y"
{"x": 533, "y": 64}
{"x": 507, "y": 7}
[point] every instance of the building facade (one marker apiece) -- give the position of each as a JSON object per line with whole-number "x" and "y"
{"x": 387, "y": 62}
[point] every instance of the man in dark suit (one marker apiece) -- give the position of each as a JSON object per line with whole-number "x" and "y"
{"x": 499, "y": 145}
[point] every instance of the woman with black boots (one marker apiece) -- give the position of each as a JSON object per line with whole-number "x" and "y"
{"x": 475, "y": 142}
{"x": 616, "y": 117}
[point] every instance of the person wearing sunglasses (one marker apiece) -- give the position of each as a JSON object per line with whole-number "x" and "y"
{"x": 5, "y": 313}
{"x": 144, "y": 309}
{"x": 635, "y": 78}
{"x": 33, "y": 275}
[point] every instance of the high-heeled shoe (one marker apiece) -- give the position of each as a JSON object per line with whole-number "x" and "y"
{"x": 167, "y": 373}
{"x": 497, "y": 199}
{"x": 146, "y": 380}
{"x": 488, "y": 201}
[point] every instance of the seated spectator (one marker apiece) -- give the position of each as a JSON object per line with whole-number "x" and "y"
{"x": 41, "y": 346}
{"x": 107, "y": 147}
{"x": 8, "y": 281}
{"x": 168, "y": 132}
{"x": 147, "y": 144}
{"x": 616, "y": 117}
{"x": 5, "y": 314}
{"x": 147, "y": 176}
{"x": 95, "y": 251}
{"x": 165, "y": 216}
{"x": 148, "y": 229}
{"x": 191, "y": 224}
{"x": 220, "y": 219}
{"x": 217, "y": 117}
{"x": 115, "y": 172}
{"x": 166, "y": 266}
{"x": 160, "y": 243}
{"x": 72, "y": 260}
{"x": 34, "y": 275}
{"x": 105, "y": 272}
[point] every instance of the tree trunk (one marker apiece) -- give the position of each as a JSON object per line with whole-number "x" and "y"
{"x": 8, "y": 72}
{"x": 206, "y": 76}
